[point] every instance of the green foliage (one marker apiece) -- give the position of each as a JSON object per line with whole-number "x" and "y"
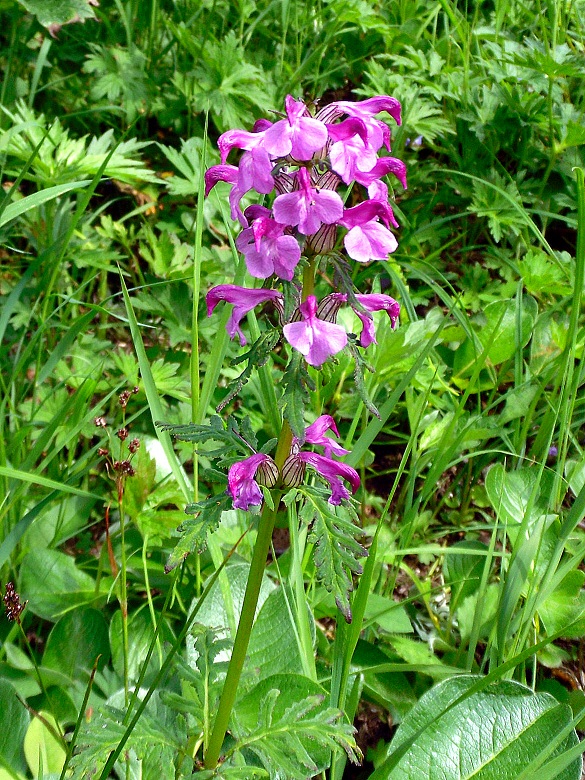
{"x": 493, "y": 732}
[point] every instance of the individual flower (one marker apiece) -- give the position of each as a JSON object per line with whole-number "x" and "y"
{"x": 242, "y": 485}
{"x": 366, "y": 238}
{"x": 331, "y": 470}
{"x": 315, "y": 434}
{"x": 350, "y": 151}
{"x": 375, "y": 302}
{"x": 378, "y": 132}
{"x": 314, "y": 338}
{"x": 307, "y": 207}
{"x": 243, "y": 300}
{"x": 268, "y": 250}
{"x": 298, "y": 135}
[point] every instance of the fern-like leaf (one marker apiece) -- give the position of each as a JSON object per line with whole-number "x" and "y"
{"x": 337, "y": 550}
{"x": 194, "y": 530}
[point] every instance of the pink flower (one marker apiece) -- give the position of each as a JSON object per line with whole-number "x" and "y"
{"x": 375, "y": 302}
{"x": 378, "y": 133}
{"x": 350, "y": 151}
{"x": 315, "y": 434}
{"x": 268, "y": 250}
{"x": 367, "y": 239}
{"x": 298, "y": 135}
{"x": 243, "y": 300}
{"x": 242, "y": 486}
{"x": 307, "y": 207}
{"x": 314, "y": 338}
{"x": 331, "y": 470}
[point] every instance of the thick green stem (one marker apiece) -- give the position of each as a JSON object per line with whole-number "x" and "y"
{"x": 230, "y": 688}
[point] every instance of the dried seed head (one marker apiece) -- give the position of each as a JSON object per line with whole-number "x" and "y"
{"x": 134, "y": 445}
{"x": 13, "y": 604}
{"x": 100, "y": 422}
{"x": 123, "y": 398}
{"x": 135, "y": 389}
{"x": 267, "y": 473}
{"x": 124, "y": 468}
{"x": 122, "y": 434}
{"x": 103, "y": 452}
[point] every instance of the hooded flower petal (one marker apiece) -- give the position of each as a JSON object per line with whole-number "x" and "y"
{"x": 378, "y": 133}
{"x": 314, "y": 338}
{"x": 375, "y": 302}
{"x": 332, "y": 471}
{"x": 315, "y": 434}
{"x": 298, "y": 135}
{"x": 242, "y": 486}
{"x": 243, "y": 300}
{"x": 384, "y": 166}
{"x": 307, "y": 207}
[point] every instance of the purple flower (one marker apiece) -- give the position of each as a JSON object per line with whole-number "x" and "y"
{"x": 375, "y": 302}
{"x": 242, "y": 486}
{"x": 315, "y": 434}
{"x": 268, "y": 250}
{"x": 367, "y": 239}
{"x": 332, "y": 471}
{"x": 239, "y": 139}
{"x": 350, "y": 151}
{"x": 314, "y": 338}
{"x": 298, "y": 135}
{"x": 243, "y": 300}
{"x": 307, "y": 207}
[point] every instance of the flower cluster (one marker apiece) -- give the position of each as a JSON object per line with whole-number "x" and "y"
{"x": 246, "y": 476}
{"x": 297, "y": 164}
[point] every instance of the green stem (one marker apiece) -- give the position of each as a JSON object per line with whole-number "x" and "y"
{"x": 123, "y": 591}
{"x": 230, "y": 688}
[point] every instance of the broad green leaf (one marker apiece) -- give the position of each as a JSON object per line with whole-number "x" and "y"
{"x": 565, "y": 605}
{"x": 76, "y": 642}
{"x": 42, "y": 750}
{"x": 463, "y": 570}
{"x": 14, "y": 721}
{"x": 387, "y": 614}
{"x": 53, "y": 585}
{"x": 59, "y": 12}
{"x": 490, "y": 735}
{"x": 140, "y": 633}
{"x": 273, "y": 647}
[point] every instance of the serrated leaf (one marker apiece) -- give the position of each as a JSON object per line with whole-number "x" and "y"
{"x": 296, "y": 384}
{"x": 194, "y": 530}
{"x": 358, "y": 375}
{"x": 289, "y": 732}
{"x": 337, "y": 550}
{"x": 149, "y": 740}
{"x": 256, "y": 357}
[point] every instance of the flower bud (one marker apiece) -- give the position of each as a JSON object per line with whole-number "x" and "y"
{"x": 293, "y": 471}
{"x": 267, "y": 473}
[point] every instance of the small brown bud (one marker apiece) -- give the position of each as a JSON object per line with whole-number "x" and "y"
{"x": 122, "y": 434}
{"x": 100, "y": 422}
{"x": 134, "y": 445}
{"x": 103, "y": 452}
{"x": 124, "y": 468}
{"x": 135, "y": 389}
